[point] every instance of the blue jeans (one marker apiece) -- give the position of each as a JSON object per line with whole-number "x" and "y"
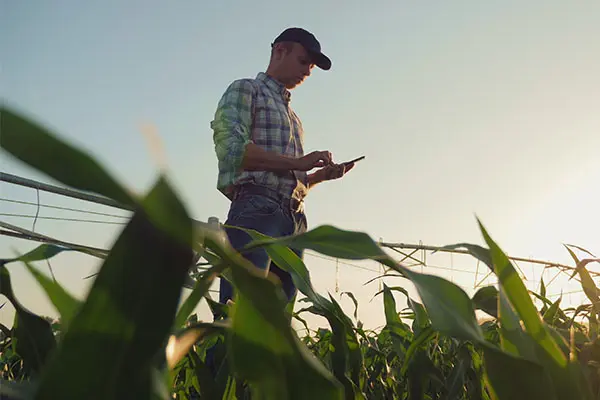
{"x": 271, "y": 214}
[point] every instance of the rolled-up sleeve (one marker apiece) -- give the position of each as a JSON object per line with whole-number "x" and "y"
{"x": 232, "y": 126}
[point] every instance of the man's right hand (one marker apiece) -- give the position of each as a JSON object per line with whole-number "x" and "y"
{"x": 316, "y": 159}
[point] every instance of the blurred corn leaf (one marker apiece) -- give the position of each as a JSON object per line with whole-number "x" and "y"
{"x": 516, "y": 378}
{"x": 43, "y": 150}
{"x": 264, "y": 349}
{"x": 198, "y": 291}
{"x": 34, "y": 338}
{"x": 346, "y": 356}
{"x": 536, "y": 342}
{"x": 42, "y": 252}
{"x": 589, "y": 287}
{"x": 109, "y": 348}
{"x": 519, "y": 297}
{"x": 486, "y": 299}
{"x": 180, "y": 343}
{"x": 64, "y": 302}
{"x": 36, "y": 146}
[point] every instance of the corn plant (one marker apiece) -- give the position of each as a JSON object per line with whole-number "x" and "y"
{"x": 129, "y": 338}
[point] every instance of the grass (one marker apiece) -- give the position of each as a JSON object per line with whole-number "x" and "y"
{"x": 129, "y": 338}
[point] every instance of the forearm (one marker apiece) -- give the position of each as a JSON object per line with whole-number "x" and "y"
{"x": 257, "y": 159}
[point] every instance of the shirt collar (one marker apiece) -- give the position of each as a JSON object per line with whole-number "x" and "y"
{"x": 274, "y": 85}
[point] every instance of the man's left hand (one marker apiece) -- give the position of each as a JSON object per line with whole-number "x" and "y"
{"x": 335, "y": 171}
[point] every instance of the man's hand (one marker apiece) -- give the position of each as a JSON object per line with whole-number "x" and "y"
{"x": 316, "y": 159}
{"x": 329, "y": 172}
{"x": 336, "y": 171}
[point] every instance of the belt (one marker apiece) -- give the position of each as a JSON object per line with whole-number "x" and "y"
{"x": 285, "y": 200}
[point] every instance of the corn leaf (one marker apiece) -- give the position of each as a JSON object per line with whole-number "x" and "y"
{"x": 34, "y": 338}
{"x": 109, "y": 349}
{"x": 264, "y": 349}
{"x": 63, "y": 301}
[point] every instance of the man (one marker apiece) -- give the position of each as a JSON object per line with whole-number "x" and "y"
{"x": 259, "y": 145}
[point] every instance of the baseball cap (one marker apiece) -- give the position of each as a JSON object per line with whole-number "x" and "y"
{"x": 309, "y": 42}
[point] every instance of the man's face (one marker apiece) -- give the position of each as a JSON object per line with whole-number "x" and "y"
{"x": 295, "y": 66}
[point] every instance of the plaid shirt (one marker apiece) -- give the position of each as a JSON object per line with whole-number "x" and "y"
{"x": 257, "y": 111}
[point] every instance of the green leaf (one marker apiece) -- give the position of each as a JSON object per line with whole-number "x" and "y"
{"x": 331, "y": 241}
{"x": 421, "y": 319}
{"x": 512, "y": 337}
{"x": 34, "y": 337}
{"x": 109, "y": 349}
{"x": 206, "y": 383}
{"x": 449, "y": 307}
{"x": 200, "y": 288}
{"x": 349, "y": 294}
{"x": 587, "y": 283}
{"x": 542, "y": 287}
{"x": 265, "y": 351}
{"x": 346, "y": 355}
{"x": 561, "y": 314}
{"x": 39, "y": 148}
{"x": 551, "y": 313}
{"x": 456, "y": 379}
{"x": 480, "y": 253}
{"x": 65, "y": 304}
{"x": 419, "y": 341}
{"x": 42, "y": 252}
{"x": 518, "y": 295}
{"x": 389, "y": 305}
{"x": 516, "y": 379}
{"x": 399, "y": 331}
{"x": 486, "y": 299}
{"x": 263, "y": 347}
{"x": 180, "y": 343}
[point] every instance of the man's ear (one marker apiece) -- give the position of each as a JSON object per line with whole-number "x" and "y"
{"x": 282, "y": 49}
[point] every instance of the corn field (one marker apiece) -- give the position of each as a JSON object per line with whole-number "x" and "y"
{"x": 134, "y": 337}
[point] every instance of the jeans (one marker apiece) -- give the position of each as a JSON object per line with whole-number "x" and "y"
{"x": 271, "y": 214}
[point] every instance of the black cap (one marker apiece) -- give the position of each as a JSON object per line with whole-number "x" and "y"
{"x": 309, "y": 42}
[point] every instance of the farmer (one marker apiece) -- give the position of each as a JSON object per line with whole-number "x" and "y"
{"x": 259, "y": 145}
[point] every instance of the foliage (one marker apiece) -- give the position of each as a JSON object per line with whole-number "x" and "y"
{"x": 129, "y": 338}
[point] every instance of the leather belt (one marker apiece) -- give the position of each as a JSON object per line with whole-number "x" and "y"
{"x": 285, "y": 200}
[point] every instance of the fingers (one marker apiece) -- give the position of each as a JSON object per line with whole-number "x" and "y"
{"x": 336, "y": 171}
{"x": 326, "y": 157}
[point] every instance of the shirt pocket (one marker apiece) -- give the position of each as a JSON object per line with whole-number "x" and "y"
{"x": 271, "y": 124}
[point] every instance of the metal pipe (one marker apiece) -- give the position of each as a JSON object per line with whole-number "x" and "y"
{"x": 441, "y": 249}
{"x": 26, "y": 234}
{"x": 93, "y": 198}
{"x": 17, "y": 180}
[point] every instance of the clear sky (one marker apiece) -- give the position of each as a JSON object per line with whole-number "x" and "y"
{"x": 461, "y": 109}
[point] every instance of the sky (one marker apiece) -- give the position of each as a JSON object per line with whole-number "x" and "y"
{"x": 463, "y": 110}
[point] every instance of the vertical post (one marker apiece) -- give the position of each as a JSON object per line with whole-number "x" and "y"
{"x": 381, "y": 268}
{"x": 337, "y": 275}
{"x": 423, "y": 255}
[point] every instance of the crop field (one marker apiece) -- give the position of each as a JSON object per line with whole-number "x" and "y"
{"x": 132, "y": 337}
